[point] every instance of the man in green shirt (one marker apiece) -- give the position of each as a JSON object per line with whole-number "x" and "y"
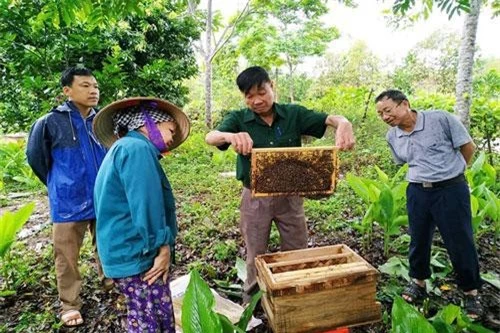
{"x": 267, "y": 124}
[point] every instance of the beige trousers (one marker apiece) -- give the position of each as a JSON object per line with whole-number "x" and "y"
{"x": 68, "y": 239}
{"x": 256, "y": 217}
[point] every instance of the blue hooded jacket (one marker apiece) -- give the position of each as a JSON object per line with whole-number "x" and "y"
{"x": 65, "y": 155}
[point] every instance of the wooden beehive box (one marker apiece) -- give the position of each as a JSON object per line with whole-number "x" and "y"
{"x": 317, "y": 289}
{"x": 307, "y": 171}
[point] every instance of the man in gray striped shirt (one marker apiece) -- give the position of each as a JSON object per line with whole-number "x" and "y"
{"x": 437, "y": 148}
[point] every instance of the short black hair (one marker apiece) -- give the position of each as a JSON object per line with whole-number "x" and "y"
{"x": 396, "y": 95}
{"x": 69, "y": 73}
{"x": 251, "y": 77}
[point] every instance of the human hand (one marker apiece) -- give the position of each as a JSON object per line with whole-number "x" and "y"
{"x": 344, "y": 136}
{"x": 160, "y": 266}
{"x": 242, "y": 142}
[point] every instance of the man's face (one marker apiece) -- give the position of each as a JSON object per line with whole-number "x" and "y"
{"x": 84, "y": 91}
{"x": 391, "y": 112}
{"x": 260, "y": 99}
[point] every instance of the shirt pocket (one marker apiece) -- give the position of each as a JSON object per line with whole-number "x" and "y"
{"x": 437, "y": 147}
{"x": 287, "y": 140}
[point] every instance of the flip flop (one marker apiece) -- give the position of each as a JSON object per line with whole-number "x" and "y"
{"x": 473, "y": 307}
{"x": 414, "y": 293}
{"x": 72, "y": 318}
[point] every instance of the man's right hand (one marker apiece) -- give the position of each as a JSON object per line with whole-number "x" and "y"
{"x": 241, "y": 142}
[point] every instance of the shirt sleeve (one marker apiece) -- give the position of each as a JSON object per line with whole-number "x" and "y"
{"x": 395, "y": 157}
{"x": 456, "y": 130}
{"x": 144, "y": 195}
{"x": 311, "y": 122}
{"x": 229, "y": 124}
{"x": 38, "y": 150}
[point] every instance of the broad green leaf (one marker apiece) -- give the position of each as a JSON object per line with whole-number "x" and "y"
{"x": 441, "y": 326}
{"x": 474, "y": 204}
{"x": 399, "y": 191}
{"x": 406, "y": 319}
{"x": 227, "y": 325}
{"x": 197, "y": 307}
{"x": 396, "y": 267}
{"x": 386, "y": 206}
{"x": 478, "y": 163}
{"x": 449, "y": 313}
{"x": 493, "y": 209}
{"x": 368, "y": 217}
{"x": 492, "y": 278}
{"x": 382, "y": 175}
{"x": 358, "y": 187}
{"x": 490, "y": 172}
{"x": 10, "y": 223}
{"x": 401, "y": 220}
{"x": 247, "y": 314}
{"x": 373, "y": 192}
{"x": 399, "y": 174}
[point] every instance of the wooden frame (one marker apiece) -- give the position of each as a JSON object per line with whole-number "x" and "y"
{"x": 263, "y": 159}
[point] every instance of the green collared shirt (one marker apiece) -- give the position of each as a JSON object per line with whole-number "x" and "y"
{"x": 290, "y": 123}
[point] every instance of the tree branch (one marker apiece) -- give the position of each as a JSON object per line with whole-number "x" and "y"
{"x": 223, "y": 39}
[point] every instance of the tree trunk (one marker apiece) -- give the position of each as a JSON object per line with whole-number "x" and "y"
{"x": 208, "y": 67}
{"x": 463, "y": 89}
{"x": 290, "y": 82}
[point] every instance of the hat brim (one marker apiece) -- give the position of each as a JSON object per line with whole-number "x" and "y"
{"x": 104, "y": 126}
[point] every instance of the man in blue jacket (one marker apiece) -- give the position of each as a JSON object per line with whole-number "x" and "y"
{"x": 65, "y": 155}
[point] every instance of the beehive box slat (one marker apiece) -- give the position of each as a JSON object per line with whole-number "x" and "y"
{"x": 337, "y": 290}
{"x": 319, "y": 261}
{"x": 294, "y": 171}
{"x": 311, "y": 275}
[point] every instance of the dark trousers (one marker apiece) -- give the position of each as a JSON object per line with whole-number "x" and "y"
{"x": 449, "y": 209}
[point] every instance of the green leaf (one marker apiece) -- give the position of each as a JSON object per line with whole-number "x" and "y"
{"x": 197, "y": 307}
{"x": 474, "y": 205}
{"x": 492, "y": 278}
{"x": 449, "y": 313}
{"x": 6, "y": 293}
{"x": 396, "y": 267}
{"x": 441, "y": 326}
{"x": 386, "y": 206}
{"x": 373, "y": 192}
{"x": 399, "y": 191}
{"x": 382, "y": 175}
{"x": 227, "y": 325}
{"x": 478, "y": 163}
{"x": 358, "y": 187}
{"x": 247, "y": 314}
{"x": 406, "y": 319}
{"x": 10, "y": 223}
{"x": 399, "y": 174}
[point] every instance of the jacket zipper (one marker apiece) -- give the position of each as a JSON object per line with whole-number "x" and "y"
{"x": 90, "y": 143}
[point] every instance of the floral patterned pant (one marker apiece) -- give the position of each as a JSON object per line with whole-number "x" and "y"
{"x": 149, "y": 308}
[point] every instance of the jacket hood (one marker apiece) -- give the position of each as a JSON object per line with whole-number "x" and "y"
{"x": 68, "y": 106}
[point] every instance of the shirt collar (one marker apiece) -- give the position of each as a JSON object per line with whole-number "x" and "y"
{"x": 73, "y": 107}
{"x": 251, "y": 116}
{"x": 419, "y": 125}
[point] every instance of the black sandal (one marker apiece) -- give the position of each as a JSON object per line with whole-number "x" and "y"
{"x": 414, "y": 293}
{"x": 473, "y": 307}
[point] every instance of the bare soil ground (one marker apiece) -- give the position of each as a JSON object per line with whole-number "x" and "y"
{"x": 104, "y": 312}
